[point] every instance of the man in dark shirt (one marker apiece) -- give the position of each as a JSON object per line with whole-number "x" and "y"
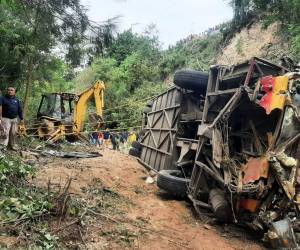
{"x": 95, "y": 138}
{"x": 10, "y": 110}
{"x": 106, "y": 137}
{"x": 114, "y": 138}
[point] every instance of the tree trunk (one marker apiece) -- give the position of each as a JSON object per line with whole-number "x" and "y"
{"x": 28, "y": 87}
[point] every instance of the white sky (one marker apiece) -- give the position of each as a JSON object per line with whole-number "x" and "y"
{"x": 174, "y": 19}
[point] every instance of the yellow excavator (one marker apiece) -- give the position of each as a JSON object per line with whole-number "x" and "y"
{"x": 62, "y": 115}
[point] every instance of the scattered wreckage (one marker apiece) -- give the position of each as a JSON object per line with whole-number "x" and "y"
{"x": 71, "y": 154}
{"x": 230, "y": 141}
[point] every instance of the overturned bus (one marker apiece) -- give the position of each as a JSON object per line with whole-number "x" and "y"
{"x": 229, "y": 140}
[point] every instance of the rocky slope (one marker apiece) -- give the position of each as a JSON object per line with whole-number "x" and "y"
{"x": 254, "y": 41}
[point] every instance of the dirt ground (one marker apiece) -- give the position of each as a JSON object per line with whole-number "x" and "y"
{"x": 143, "y": 217}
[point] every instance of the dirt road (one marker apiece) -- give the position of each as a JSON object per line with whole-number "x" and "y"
{"x": 139, "y": 216}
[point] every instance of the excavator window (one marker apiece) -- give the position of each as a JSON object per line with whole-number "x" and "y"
{"x": 58, "y": 106}
{"x": 50, "y": 106}
{"x": 46, "y": 107}
{"x": 66, "y": 109}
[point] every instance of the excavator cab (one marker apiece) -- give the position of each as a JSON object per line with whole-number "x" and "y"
{"x": 57, "y": 106}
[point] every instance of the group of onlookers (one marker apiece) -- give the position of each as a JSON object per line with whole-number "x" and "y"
{"x": 117, "y": 140}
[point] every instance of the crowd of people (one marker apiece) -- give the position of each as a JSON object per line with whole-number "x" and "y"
{"x": 112, "y": 139}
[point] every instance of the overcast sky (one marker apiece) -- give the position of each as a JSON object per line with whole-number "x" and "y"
{"x": 174, "y": 19}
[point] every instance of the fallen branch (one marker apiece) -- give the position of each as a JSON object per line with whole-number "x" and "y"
{"x": 16, "y": 221}
{"x": 103, "y": 215}
{"x": 81, "y": 236}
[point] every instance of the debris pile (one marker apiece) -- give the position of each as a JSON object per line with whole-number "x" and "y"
{"x": 236, "y": 143}
{"x": 254, "y": 145}
{"x": 72, "y": 154}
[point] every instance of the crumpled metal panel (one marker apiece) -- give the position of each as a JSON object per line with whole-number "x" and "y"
{"x": 282, "y": 236}
{"x": 275, "y": 88}
{"x": 255, "y": 169}
{"x": 249, "y": 204}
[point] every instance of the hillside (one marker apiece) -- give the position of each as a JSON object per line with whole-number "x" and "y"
{"x": 254, "y": 41}
{"x": 136, "y": 68}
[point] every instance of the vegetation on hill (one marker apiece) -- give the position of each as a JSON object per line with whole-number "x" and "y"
{"x": 134, "y": 66}
{"x": 198, "y": 53}
{"x": 32, "y": 33}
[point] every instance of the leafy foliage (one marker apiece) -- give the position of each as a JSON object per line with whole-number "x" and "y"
{"x": 12, "y": 172}
{"x": 135, "y": 68}
{"x": 130, "y": 70}
{"x": 26, "y": 208}
{"x": 127, "y": 43}
{"x": 129, "y": 111}
{"x": 288, "y": 14}
{"x": 20, "y": 202}
{"x": 36, "y": 34}
{"x": 198, "y": 53}
{"x": 17, "y": 200}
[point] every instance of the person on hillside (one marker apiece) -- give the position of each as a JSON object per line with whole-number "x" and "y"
{"x": 137, "y": 135}
{"x": 10, "y": 110}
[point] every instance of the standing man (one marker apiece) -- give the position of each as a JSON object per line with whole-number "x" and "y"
{"x": 95, "y": 138}
{"x": 106, "y": 137}
{"x": 10, "y": 110}
{"x": 113, "y": 140}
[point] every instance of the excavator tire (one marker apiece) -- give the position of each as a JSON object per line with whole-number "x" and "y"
{"x": 173, "y": 182}
{"x": 192, "y": 80}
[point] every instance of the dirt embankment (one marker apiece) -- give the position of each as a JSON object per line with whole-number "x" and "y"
{"x": 139, "y": 216}
{"x": 254, "y": 41}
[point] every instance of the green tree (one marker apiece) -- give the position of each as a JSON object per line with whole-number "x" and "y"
{"x": 130, "y": 70}
{"x": 31, "y": 33}
{"x": 127, "y": 42}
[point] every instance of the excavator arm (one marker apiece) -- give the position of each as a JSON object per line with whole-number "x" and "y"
{"x": 81, "y": 105}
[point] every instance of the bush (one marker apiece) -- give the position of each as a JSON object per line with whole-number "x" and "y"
{"x": 19, "y": 201}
